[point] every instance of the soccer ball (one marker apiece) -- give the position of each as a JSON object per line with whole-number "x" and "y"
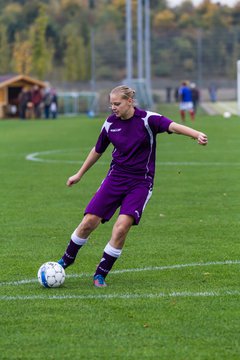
{"x": 227, "y": 114}
{"x": 51, "y": 274}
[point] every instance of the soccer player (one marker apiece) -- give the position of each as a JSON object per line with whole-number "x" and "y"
{"x": 186, "y": 101}
{"x": 129, "y": 181}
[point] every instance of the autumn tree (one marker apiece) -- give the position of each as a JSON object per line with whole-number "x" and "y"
{"x": 75, "y": 60}
{"x": 22, "y": 55}
{"x": 42, "y": 50}
{"x": 4, "y": 50}
{"x": 175, "y": 42}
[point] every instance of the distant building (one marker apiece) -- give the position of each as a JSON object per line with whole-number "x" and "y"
{"x": 10, "y": 89}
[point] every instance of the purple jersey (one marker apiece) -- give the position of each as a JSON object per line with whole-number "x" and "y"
{"x": 134, "y": 142}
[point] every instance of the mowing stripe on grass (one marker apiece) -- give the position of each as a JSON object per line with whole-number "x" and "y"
{"x": 115, "y": 272}
{"x": 36, "y": 157}
{"x": 225, "y": 106}
{"x": 122, "y": 296}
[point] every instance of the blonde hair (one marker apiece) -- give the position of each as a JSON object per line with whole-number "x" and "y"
{"x": 125, "y": 91}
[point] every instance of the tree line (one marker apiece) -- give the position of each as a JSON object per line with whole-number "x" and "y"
{"x": 57, "y": 39}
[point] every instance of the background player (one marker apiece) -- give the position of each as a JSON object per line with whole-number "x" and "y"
{"x": 186, "y": 101}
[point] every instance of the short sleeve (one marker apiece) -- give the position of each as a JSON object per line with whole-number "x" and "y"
{"x": 103, "y": 140}
{"x": 159, "y": 123}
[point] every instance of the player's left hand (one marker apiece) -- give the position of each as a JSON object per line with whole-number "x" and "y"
{"x": 202, "y": 139}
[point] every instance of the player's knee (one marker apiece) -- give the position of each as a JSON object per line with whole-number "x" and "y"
{"x": 89, "y": 223}
{"x": 121, "y": 229}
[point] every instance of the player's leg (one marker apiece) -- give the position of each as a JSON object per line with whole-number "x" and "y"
{"x": 100, "y": 208}
{"x": 182, "y": 113}
{"x": 192, "y": 114}
{"x": 113, "y": 249}
{"x": 190, "y": 109}
{"x": 131, "y": 210}
{"x": 79, "y": 238}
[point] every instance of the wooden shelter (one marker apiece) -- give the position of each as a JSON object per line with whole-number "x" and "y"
{"x": 10, "y": 89}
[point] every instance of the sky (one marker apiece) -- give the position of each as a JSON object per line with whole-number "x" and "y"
{"x": 197, "y": 2}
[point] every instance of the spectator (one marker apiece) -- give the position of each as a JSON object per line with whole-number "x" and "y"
{"x": 23, "y": 101}
{"x": 54, "y": 104}
{"x": 168, "y": 94}
{"x": 176, "y": 94}
{"x": 37, "y": 101}
{"x": 195, "y": 96}
{"x": 47, "y": 99}
{"x": 212, "y": 92}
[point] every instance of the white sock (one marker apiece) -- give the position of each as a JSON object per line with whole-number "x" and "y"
{"x": 77, "y": 240}
{"x": 110, "y": 250}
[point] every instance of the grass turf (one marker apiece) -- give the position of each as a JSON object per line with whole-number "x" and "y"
{"x": 158, "y": 312}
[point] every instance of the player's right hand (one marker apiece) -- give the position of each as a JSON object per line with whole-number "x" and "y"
{"x": 73, "y": 180}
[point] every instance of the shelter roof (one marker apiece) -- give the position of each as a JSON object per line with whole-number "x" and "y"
{"x": 10, "y": 79}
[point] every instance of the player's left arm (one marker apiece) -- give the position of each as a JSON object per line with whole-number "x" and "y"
{"x": 187, "y": 131}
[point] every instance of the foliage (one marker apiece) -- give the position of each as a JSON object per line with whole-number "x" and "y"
{"x": 4, "y": 50}
{"x": 41, "y": 50}
{"x": 22, "y": 56}
{"x": 43, "y": 33}
{"x": 75, "y": 58}
{"x": 165, "y": 20}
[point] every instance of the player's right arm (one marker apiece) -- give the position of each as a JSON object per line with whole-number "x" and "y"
{"x": 92, "y": 157}
{"x": 96, "y": 152}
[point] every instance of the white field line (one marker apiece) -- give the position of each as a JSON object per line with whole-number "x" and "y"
{"x": 116, "y": 272}
{"x": 122, "y": 296}
{"x": 36, "y": 156}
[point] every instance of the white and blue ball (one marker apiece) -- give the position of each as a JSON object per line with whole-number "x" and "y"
{"x": 51, "y": 275}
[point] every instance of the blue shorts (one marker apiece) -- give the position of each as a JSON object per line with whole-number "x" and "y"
{"x": 130, "y": 195}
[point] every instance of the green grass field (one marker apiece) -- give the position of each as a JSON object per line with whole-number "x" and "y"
{"x": 173, "y": 294}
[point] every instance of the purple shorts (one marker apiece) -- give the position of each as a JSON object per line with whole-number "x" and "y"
{"x": 131, "y": 195}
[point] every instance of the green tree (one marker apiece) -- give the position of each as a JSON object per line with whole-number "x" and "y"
{"x": 22, "y": 55}
{"x": 75, "y": 58}
{"x": 11, "y": 17}
{"x": 164, "y": 20}
{"x": 42, "y": 50}
{"x": 4, "y": 50}
{"x": 42, "y": 23}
